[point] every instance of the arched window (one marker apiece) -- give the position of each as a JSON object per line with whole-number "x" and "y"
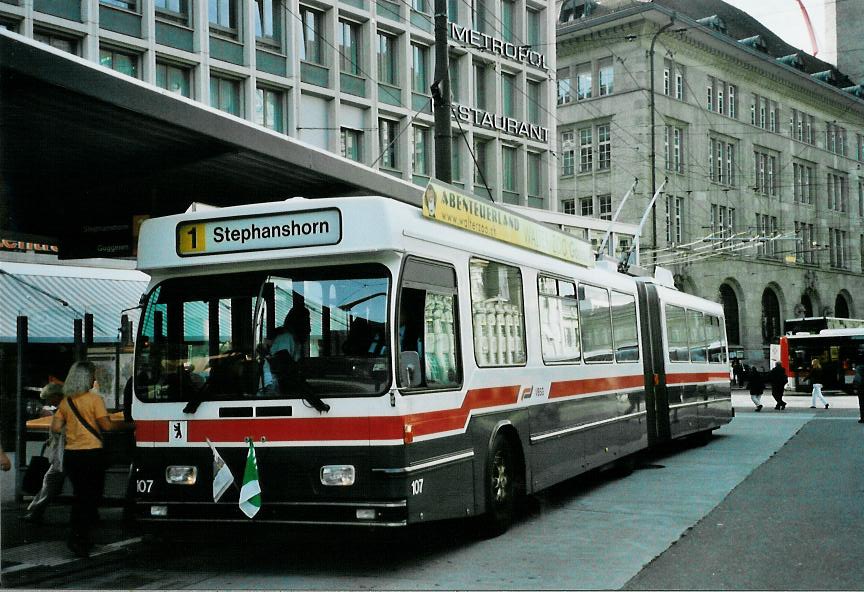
{"x": 841, "y": 307}
{"x": 771, "y": 325}
{"x": 730, "y": 310}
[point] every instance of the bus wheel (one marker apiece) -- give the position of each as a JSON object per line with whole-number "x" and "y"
{"x": 500, "y": 488}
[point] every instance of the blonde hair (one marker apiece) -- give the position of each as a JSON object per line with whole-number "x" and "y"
{"x": 80, "y": 379}
{"x": 816, "y": 363}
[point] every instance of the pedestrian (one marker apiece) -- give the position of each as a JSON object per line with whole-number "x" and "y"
{"x": 52, "y": 482}
{"x": 83, "y": 413}
{"x": 778, "y": 379}
{"x": 858, "y": 384}
{"x": 738, "y": 372}
{"x": 816, "y": 382}
{"x": 756, "y": 384}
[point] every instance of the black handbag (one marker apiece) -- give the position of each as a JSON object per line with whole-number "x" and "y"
{"x": 35, "y": 473}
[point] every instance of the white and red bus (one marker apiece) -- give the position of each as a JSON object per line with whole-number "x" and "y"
{"x": 839, "y": 351}
{"x": 441, "y": 373}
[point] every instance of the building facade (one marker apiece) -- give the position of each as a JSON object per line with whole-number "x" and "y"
{"x": 351, "y": 77}
{"x": 760, "y": 146}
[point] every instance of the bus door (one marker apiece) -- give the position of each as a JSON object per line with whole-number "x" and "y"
{"x": 656, "y": 397}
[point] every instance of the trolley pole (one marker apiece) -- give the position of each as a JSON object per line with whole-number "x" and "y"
{"x": 652, "y": 108}
{"x": 441, "y": 96}
{"x": 20, "y": 419}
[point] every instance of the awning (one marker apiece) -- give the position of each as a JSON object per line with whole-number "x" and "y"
{"x": 53, "y": 296}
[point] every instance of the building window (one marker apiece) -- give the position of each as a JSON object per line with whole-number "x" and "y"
{"x": 269, "y": 109}
{"x": 565, "y": 86}
{"x": 722, "y": 162}
{"x": 61, "y": 42}
{"x": 604, "y": 147}
{"x": 805, "y": 244}
{"x": 534, "y": 174}
{"x": 351, "y": 144}
{"x": 674, "y": 231}
{"x": 222, "y": 15}
{"x": 311, "y": 48}
{"x": 837, "y": 245}
{"x": 176, "y": 79}
{"x": 453, "y": 68}
{"x": 667, "y": 81}
{"x": 130, "y": 5}
{"x": 478, "y": 15}
{"x": 838, "y": 192}
{"x": 583, "y": 82}
{"x": 508, "y": 168}
{"x": 267, "y": 15}
{"x": 420, "y": 161}
{"x": 766, "y": 227}
{"x": 419, "y": 5}
{"x": 176, "y": 10}
{"x": 534, "y": 98}
{"x": 673, "y": 149}
{"x": 765, "y": 166}
{"x": 508, "y": 94}
{"x": 679, "y": 83}
{"x": 419, "y": 68}
{"x": 508, "y": 8}
{"x": 586, "y": 150}
{"x": 803, "y": 189}
{"x": 723, "y": 223}
{"x": 225, "y": 95}
{"x": 861, "y": 197}
{"x": 709, "y": 94}
{"x": 125, "y": 63}
{"x": 673, "y": 79}
{"x": 604, "y": 206}
{"x": 456, "y": 156}
{"x": 481, "y": 170}
{"x": 733, "y": 102}
{"x": 387, "y": 72}
{"x": 605, "y": 77}
{"x": 349, "y": 48}
{"x": 568, "y": 153}
{"x": 534, "y": 28}
{"x": 586, "y": 206}
{"x": 568, "y": 206}
{"x": 835, "y": 139}
{"x": 480, "y": 86}
{"x": 387, "y": 132}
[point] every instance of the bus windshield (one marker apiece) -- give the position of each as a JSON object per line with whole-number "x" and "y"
{"x": 295, "y": 333}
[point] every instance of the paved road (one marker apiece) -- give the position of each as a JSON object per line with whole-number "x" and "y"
{"x": 656, "y": 528}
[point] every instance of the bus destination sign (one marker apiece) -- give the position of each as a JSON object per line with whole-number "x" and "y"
{"x": 259, "y": 233}
{"x": 445, "y": 204}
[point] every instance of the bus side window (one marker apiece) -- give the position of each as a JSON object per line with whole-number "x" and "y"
{"x": 625, "y": 332}
{"x": 676, "y": 333}
{"x": 596, "y": 315}
{"x": 696, "y": 336}
{"x": 498, "y": 314}
{"x": 559, "y": 321}
{"x": 429, "y": 324}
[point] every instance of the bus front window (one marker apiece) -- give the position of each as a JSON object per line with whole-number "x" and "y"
{"x": 309, "y": 333}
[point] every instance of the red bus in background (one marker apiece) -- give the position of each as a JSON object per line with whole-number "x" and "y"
{"x": 839, "y": 351}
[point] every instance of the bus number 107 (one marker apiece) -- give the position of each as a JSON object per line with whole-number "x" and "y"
{"x": 417, "y": 487}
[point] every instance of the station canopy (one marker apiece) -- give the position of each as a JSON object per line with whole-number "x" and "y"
{"x": 86, "y": 153}
{"x": 52, "y": 297}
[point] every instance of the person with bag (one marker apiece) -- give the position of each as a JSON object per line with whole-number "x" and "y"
{"x": 778, "y": 379}
{"x": 756, "y": 384}
{"x": 816, "y": 381}
{"x": 51, "y": 483}
{"x": 83, "y": 414}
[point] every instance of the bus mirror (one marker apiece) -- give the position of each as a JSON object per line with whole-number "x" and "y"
{"x": 409, "y": 369}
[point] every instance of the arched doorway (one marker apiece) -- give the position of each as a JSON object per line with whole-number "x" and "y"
{"x": 771, "y": 322}
{"x": 841, "y": 307}
{"x": 729, "y": 301}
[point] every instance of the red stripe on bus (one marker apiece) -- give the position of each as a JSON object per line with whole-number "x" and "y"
{"x": 587, "y": 386}
{"x": 685, "y": 377}
{"x": 333, "y": 428}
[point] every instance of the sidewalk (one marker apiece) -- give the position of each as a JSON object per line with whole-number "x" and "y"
{"x": 30, "y": 553}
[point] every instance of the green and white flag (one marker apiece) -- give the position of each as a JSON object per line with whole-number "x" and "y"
{"x": 250, "y": 493}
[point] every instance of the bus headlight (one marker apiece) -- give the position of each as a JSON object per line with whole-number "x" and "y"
{"x": 337, "y": 475}
{"x": 181, "y": 475}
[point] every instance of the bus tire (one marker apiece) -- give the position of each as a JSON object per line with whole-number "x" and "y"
{"x": 500, "y": 486}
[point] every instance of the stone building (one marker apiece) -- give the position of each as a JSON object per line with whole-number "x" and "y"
{"x": 760, "y": 145}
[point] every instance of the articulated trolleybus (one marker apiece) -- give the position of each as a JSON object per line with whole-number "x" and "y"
{"x": 393, "y": 365}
